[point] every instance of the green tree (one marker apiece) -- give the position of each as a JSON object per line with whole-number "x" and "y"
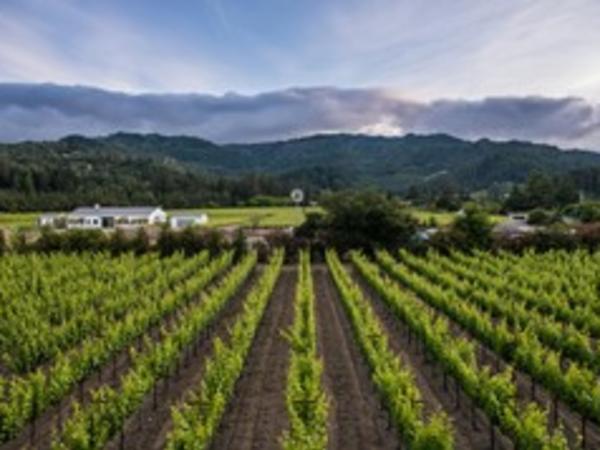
{"x": 542, "y": 191}
{"x": 25, "y": 183}
{"x": 472, "y": 228}
{"x": 540, "y": 217}
{"x": 566, "y": 192}
{"x": 314, "y": 222}
{"x": 367, "y": 220}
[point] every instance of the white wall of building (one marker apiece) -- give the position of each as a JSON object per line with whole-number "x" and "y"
{"x": 85, "y": 222}
{"x": 115, "y": 219}
{"x": 158, "y": 217}
{"x": 182, "y": 221}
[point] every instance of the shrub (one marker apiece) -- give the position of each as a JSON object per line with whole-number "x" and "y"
{"x": 586, "y": 212}
{"x": 140, "y": 243}
{"x": 473, "y": 229}
{"x": 540, "y": 217}
{"x": 118, "y": 243}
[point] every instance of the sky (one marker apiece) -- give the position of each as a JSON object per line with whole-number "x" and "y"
{"x": 241, "y": 70}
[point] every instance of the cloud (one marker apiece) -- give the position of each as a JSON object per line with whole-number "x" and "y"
{"x": 461, "y": 48}
{"x": 46, "y": 111}
{"x": 467, "y": 49}
{"x": 564, "y": 120}
{"x": 68, "y": 43}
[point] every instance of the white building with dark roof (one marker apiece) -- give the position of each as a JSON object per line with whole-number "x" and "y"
{"x": 187, "y": 219}
{"x": 101, "y": 217}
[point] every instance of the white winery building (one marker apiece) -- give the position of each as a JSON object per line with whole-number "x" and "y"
{"x": 102, "y": 217}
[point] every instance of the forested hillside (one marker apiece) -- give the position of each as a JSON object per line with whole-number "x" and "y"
{"x": 186, "y": 171}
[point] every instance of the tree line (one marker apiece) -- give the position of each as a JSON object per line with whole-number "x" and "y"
{"x": 58, "y": 184}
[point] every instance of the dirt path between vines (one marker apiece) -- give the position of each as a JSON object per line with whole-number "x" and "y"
{"x": 355, "y": 419}
{"x": 109, "y": 374}
{"x": 257, "y": 416}
{"x": 568, "y": 418}
{"x": 471, "y": 426}
{"x": 149, "y": 426}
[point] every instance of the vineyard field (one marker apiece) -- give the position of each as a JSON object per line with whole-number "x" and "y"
{"x": 300, "y": 351}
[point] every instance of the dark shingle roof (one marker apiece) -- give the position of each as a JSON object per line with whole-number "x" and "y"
{"x": 114, "y": 211}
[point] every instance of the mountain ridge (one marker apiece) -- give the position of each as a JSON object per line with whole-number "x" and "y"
{"x": 316, "y": 162}
{"x": 392, "y": 163}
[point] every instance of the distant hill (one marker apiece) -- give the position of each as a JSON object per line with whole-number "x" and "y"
{"x": 164, "y": 169}
{"x": 392, "y": 163}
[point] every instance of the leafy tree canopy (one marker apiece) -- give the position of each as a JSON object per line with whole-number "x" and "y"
{"x": 367, "y": 220}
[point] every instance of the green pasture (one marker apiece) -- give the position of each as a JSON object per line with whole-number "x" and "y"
{"x": 284, "y": 216}
{"x": 242, "y": 216}
{"x": 444, "y": 218}
{"x": 18, "y": 220}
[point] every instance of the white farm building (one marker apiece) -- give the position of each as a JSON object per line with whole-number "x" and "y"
{"x": 99, "y": 217}
{"x": 185, "y": 220}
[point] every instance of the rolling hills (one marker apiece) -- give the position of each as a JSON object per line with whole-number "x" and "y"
{"x": 182, "y": 171}
{"x": 392, "y": 163}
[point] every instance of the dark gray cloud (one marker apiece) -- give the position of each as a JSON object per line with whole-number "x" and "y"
{"x": 45, "y": 111}
{"x": 535, "y": 118}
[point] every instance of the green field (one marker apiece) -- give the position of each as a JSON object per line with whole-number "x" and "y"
{"x": 218, "y": 217}
{"x": 18, "y": 220}
{"x": 244, "y": 216}
{"x": 445, "y": 218}
{"x": 258, "y": 216}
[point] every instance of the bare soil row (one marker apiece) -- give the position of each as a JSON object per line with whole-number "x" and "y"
{"x": 40, "y": 436}
{"x": 566, "y": 418}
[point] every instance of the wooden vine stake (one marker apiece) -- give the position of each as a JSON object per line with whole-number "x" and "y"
{"x": 457, "y": 394}
{"x": 583, "y": 430}
{"x": 122, "y": 439}
{"x": 81, "y": 392}
{"x": 154, "y": 396}
{"x": 473, "y": 418}
{"x": 32, "y": 431}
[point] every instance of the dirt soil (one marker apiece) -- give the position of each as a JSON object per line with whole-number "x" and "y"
{"x": 569, "y": 420}
{"x": 109, "y": 374}
{"x": 149, "y": 426}
{"x": 257, "y": 416}
{"x": 471, "y": 426}
{"x": 357, "y": 421}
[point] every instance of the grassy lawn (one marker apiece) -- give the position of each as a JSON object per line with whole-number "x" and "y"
{"x": 445, "y": 218}
{"x": 441, "y": 218}
{"x": 218, "y": 217}
{"x": 16, "y": 220}
{"x": 262, "y": 217}
{"x": 251, "y": 216}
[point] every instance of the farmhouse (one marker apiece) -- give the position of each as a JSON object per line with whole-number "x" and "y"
{"x": 185, "y": 220}
{"x": 99, "y": 217}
